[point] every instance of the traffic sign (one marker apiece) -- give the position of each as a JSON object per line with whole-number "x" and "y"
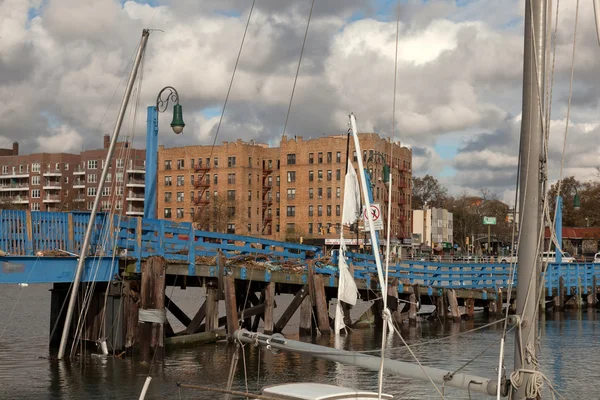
{"x": 377, "y": 217}
{"x": 489, "y": 220}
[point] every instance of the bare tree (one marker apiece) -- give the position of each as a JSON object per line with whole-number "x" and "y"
{"x": 427, "y": 191}
{"x": 218, "y": 213}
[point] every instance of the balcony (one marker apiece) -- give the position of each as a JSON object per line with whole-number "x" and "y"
{"x": 79, "y": 199}
{"x": 79, "y": 171}
{"x": 202, "y": 184}
{"x": 137, "y": 211}
{"x": 136, "y": 169}
{"x": 15, "y": 175}
{"x": 136, "y": 183}
{"x": 402, "y": 185}
{"x": 131, "y": 196}
{"x": 54, "y": 172}
{"x": 52, "y": 185}
{"x": 200, "y": 168}
{"x": 200, "y": 201}
{"x": 267, "y": 202}
{"x": 20, "y": 200}
{"x": 51, "y": 199}
{"x": 14, "y": 187}
{"x": 79, "y": 184}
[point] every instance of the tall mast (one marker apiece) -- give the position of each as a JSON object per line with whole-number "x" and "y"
{"x": 90, "y": 226}
{"x": 530, "y": 192}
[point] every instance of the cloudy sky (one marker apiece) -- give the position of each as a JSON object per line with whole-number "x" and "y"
{"x": 63, "y": 64}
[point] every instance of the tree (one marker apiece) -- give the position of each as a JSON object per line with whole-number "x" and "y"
{"x": 218, "y": 214}
{"x": 427, "y": 191}
{"x": 7, "y": 204}
{"x": 589, "y": 194}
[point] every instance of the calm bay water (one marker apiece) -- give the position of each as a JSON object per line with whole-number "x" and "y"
{"x": 570, "y": 358}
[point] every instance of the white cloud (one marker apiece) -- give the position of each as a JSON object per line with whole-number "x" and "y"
{"x": 63, "y": 140}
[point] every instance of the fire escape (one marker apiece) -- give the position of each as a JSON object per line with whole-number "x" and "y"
{"x": 202, "y": 185}
{"x": 404, "y": 189}
{"x": 267, "y": 199}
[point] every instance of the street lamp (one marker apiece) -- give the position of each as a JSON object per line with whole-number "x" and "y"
{"x": 386, "y": 168}
{"x": 167, "y": 94}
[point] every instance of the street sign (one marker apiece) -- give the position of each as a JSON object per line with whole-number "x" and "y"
{"x": 489, "y": 220}
{"x": 377, "y": 217}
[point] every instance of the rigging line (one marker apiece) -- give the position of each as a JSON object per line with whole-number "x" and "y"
{"x": 386, "y": 313}
{"x": 298, "y": 68}
{"x": 232, "y": 78}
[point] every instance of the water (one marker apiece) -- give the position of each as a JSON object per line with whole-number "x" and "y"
{"x": 570, "y": 348}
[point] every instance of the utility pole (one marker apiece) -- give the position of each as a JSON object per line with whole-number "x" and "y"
{"x": 530, "y": 194}
{"x": 90, "y": 227}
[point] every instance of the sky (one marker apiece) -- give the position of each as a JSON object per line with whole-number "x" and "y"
{"x": 64, "y": 64}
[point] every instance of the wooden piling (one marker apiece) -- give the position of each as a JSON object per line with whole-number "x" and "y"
{"x": 392, "y": 292}
{"x": 412, "y": 311}
{"x": 499, "y": 301}
{"x": 491, "y": 307}
{"x": 470, "y": 308}
{"x": 594, "y": 303}
{"x": 305, "y": 328}
{"x": 289, "y": 312}
{"x": 194, "y": 325}
{"x": 152, "y": 302}
{"x": 230, "y": 306}
{"x": 269, "y": 301}
{"x": 212, "y": 309}
{"x": 321, "y": 305}
{"x": 453, "y": 303}
{"x": 578, "y": 295}
{"x": 440, "y": 308}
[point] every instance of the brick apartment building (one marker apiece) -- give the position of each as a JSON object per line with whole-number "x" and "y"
{"x": 65, "y": 181}
{"x": 286, "y": 192}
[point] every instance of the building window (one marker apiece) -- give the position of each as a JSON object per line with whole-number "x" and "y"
{"x": 168, "y": 197}
{"x": 35, "y": 206}
{"x": 291, "y": 211}
{"x": 91, "y": 178}
{"x": 192, "y": 210}
{"x": 320, "y": 175}
{"x": 179, "y": 213}
{"x": 337, "y": 210}
{"x": 192, "y": 180}
{"x": 311, "y": 176}
{"x": 319, "y": 211}
{"x": 192, "y": 196}
{"x": 338, "y": 192}
{"x": 106, "y": 191}
{"x": 35, "y": 180}
{"x": 338, "y": 157}
{"x": 249, "y": 195}
{"x": 120, "y": 163}
{"x": 180, "y": 180}
{"x": 92, "y": 164}
{"x": 354, "y": 156}
{"x": 277, "y": 197}
{"x": 231, "y": 212}
{"x": 249, "y": 227}
{"x": 216, "y": 179}
{"x": 364, "y": 155}
{"x": 91, "y": 191}
{"x": 291, "y": 159}
{"x": 4, "y": 170}
{"x": 319, "y": 193}
{"x": 90, "y": 205}
{"x": 180, "y": 164}
{"x": 168, "y": 165}
{"x": 231, "y": 179}
{"x": 168, "y": 181}
{"x": 310, "y": 211}
{"x": 167, "y": 213}
{"x": 291, "y": 194}
{"x": 179, "y": 197}
{"x": 35, "y": 167}
{"x": 311, "y": 193}
{"x": 231, "y": 229}
{"x": 192, "y": 163}
{"x": 329, "y": 175}
{"x": 291, "y": 176}
{"x": 35, "y": 194}
{"x": 108, "y": 177}
{"x": 277, "y": 228}
{"x": 310, "y": 228}
{"x": 320, "y": 158}
{"x": 216, "y": 162}
{"x": 119, "y": 191}
{"x": 311, "y": 158}
{"x": 329, "y": 211}
{"x": 230, "y": 162}
{"x": 329, "y": 157}
{"x": 119, "y": 177}
{"x": 338, "y": 174}
{"x": 249, "y": 179}
{"x": 231, "y": 195}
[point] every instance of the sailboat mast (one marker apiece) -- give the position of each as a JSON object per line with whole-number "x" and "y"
{"x": 530, "y": 193}
{"x": 90, "y": 226}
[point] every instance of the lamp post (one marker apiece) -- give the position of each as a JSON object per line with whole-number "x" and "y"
{"x": 177, "y": 124}
{"x": 559, "y": 223}
{"x": 373, "y": 158}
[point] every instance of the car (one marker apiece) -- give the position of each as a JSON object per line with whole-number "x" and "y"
{"x": 550, "y": 257}
{"x": 597, "y": 258}
{"x": 508, "y": 259}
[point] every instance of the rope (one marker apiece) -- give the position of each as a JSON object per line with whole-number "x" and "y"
{"x": 298, "y": 68}
{"x": 237, "y": 60}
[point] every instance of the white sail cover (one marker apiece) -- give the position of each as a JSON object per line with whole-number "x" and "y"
{"x": 351, "y": 196}
{"x": 347, "y": 291}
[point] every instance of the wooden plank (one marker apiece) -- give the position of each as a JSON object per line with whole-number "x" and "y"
{"x": 305, "y": 328}
{"x": 594, "y": 293}
{"x": 321, "y": 305}
{"x": 194, "y": 325}
{"x": 289, "y": 312}
{"x": 221, "y": 267}
{"x": 230, "y": 306}
{"x": 311, "y": 284}
{"x": 269, "y": 300}
{"x": 212, "y": 309}
{"x": 71, "y": 234}
{"x": 131, "y": 297}
{"x": 453, "y": 303}
{"x": 152, "y": 298}
{"x": 29, "y": 226}
{"x": 195, "y": 339}
{"x": 177, "y": 312}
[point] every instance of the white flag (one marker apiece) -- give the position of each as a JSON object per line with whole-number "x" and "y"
{"x": 351, "y": 208}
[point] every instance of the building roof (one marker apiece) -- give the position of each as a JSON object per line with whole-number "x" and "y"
{"x": 577, "y": 233}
